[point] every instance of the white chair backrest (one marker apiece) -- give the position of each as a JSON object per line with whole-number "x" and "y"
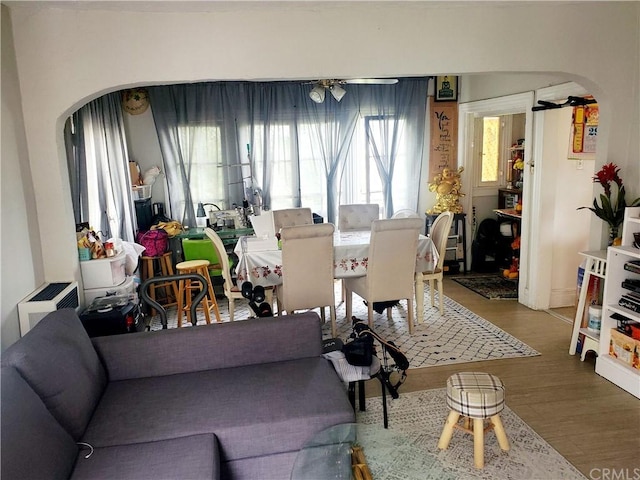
{"x": 222, "y": 256}
{"x": 307, "y": 266}
{"x": 405, "y": 214}
{"x": 392, "y": 258}
{"x": 357, "y": 216}
{"x": 291, "y": 217}
{"x": 439, "y": 233}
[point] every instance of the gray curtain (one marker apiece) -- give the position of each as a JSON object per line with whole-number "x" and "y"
{"x": 99, "y": 169}
{"x": 273, "y": 140}
{"x": 397, "y": 112}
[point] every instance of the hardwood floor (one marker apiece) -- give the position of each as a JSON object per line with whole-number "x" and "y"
{"x": 593, "y": 423}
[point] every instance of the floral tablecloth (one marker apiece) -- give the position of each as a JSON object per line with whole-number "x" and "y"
{"x": 350, "y": 249}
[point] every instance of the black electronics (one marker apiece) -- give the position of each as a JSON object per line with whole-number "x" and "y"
{"x": 113, "y": 315}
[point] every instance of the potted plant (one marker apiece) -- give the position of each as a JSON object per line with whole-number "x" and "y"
{"x": 611, "y": 208}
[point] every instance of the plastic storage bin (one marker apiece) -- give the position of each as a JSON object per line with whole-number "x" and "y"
{"x": 103, "y": 272}
{"x": 141, "y": 192}
{"x": 126, "y": 287}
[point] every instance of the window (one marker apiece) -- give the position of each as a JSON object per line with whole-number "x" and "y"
{"x": 490, "y": 152}
{"x": 206, "y": 175}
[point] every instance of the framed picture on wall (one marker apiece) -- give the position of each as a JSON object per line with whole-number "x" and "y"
{"x": 446, "y": 89}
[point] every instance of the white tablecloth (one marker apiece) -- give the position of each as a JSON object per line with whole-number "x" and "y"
{"x": 350, "y": 250}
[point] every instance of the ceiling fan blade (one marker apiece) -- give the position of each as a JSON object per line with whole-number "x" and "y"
{"x": 372, "y": 81}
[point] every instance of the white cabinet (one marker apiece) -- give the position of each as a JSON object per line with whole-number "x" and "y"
{"x": 613, "y": 369}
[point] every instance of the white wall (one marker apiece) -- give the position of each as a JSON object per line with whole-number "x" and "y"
{"x": 573, "y": 189}
{"x": 67, "y": 56}
{"x": 144, "y": 148}
{"x": 20, "y": 248}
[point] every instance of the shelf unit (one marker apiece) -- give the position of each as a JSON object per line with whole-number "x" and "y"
{"x": 614, "y": 370}
{"x": 514, "y": 176}
{"x": 596, "y": 265}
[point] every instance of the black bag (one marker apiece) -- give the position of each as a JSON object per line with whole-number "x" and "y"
{"x": 359, "y": 351}
{"x": 394, "y": 375}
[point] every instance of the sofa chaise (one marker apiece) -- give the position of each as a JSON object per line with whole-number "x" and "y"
{"x": 223, "y": 401}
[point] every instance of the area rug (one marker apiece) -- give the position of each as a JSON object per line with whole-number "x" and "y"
{"x": 457, "y": 336}
{"x": 418, "y": 418}
{"x": 493, "y": 287}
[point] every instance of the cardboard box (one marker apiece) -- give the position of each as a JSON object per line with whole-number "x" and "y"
{"x": 622, "y": 347}
{"x": 134, "y": 173}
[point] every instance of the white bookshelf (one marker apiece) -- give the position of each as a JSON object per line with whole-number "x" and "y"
{"x": 607, "y": 366}
{"x": 595, "y": 265}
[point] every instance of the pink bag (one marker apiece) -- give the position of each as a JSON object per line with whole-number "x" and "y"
{"x": 155, "y": 242}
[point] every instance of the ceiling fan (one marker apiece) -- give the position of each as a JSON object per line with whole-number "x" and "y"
{"x": 317, "y": 94}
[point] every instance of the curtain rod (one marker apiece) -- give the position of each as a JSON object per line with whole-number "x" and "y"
{"x": 571, "y": 102}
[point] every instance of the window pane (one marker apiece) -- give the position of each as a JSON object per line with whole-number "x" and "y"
{"x": 206, "y": 177}
{"x": 490, "y": 149}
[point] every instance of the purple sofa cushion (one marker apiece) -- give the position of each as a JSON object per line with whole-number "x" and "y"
{"x": 224, "y": 345}
{"x": 58, "y": 361}
{"x": 253, "y": 410}
{"x": 194, "y": 458}
{"x": 34, "y": 445}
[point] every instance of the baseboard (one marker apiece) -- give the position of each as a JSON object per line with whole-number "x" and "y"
{"x": 562, "y": 298}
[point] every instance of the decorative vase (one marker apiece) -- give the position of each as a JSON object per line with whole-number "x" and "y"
{"x": 614, "y": 240}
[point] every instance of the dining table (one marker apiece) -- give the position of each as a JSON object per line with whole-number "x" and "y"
{"x": 263, "y": 265}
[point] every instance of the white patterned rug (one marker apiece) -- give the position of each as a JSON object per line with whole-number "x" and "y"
{"x": 418, "y": 418}
{"x": 457, "y": 336}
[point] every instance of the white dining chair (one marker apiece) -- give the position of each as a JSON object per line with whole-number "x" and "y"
{"x": 357, "y": 216}
{"x": 231, "y": 290}
{"x": 391, "y": 266}
{"x": 308, "y": 270}
{"x": 291, "y": 217}
{"x": 406, "y": 213}
{"x": 439, "y": 232}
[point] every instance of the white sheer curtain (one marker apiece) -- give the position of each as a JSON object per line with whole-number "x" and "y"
{"x": 222, "y": 141}
{"x": 99, "y": 168}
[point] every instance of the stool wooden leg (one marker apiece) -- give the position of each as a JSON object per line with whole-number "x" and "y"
{"x": 212, "y": 297}
{"x": 167, "y": 271}
{"x": 478, "y": 442}
{"x": 447, "y": 431}
{"x": 500, "y": 433}
{"x": 180, "y": 306}
{"x": 205, "y": 301}
{"x": 189, "y": 299}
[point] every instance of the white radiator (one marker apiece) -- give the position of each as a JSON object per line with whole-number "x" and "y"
{"x": 48, "y": 298}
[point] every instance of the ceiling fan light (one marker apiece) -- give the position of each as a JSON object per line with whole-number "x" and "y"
{"x": 317, "y": 94}
{"x": 338, "y": 92}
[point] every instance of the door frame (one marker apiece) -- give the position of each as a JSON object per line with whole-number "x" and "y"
{"x": 534, "y": 288}
{"x": 507, "y": 105}
{"x": 544, "y": 182}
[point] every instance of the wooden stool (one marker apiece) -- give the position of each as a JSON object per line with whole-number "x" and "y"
{"x": 475, "y": 396}
{"x": 160, "y": 266}
{"x": 185, "y": 289}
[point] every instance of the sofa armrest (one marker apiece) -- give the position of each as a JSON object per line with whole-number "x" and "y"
{"x": 225, "y": 345}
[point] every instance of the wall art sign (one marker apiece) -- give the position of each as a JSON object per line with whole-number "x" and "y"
{"x": 443, "y": 119}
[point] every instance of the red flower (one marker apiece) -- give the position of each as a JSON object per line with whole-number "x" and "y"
{"x": 607, "y": 174}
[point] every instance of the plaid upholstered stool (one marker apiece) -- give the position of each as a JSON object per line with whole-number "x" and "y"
{"x": 475, "y": 396}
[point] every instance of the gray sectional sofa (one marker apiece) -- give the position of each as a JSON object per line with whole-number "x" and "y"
{"x": 223, "y": 401}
